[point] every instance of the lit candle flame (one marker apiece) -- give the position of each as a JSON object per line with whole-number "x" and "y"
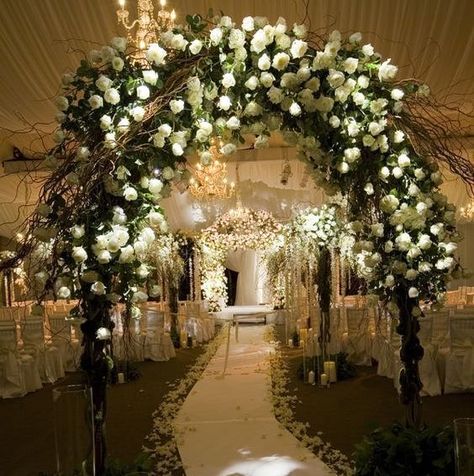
{"x": 122, "y": 3}
{"x": 163, "y": 3}
{"x": 173, "y": 15}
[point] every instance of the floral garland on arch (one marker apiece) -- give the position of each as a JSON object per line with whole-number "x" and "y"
{"x": 126, "y": 126}
{"x": 239, "y": 228}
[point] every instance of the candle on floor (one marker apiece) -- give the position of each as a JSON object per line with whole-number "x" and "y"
{"x": 326, "y": 367}
{"x": 183, "y": 338}
{"x": 332, "y": 372}
{"x": 290, "y": 342}
{"x": 311, "y": 377}
{"x": 324, "y": 380}
{"x": 120, "y": 377}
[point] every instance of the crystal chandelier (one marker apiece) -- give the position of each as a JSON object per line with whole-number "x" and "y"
{"x": 467, "y": 212}
{"x": 148, "y": 28}
{"x": 210, "y": 181}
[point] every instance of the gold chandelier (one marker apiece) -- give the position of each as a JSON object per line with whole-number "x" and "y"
{"x": 148, "y": 27}
{"x": 467, "y": 212}
{"x": 210, "y": 181}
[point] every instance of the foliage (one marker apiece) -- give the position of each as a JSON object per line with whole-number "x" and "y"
{"x": 404, "y": 451}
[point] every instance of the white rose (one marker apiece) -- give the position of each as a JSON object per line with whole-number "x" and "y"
{"x": 397, "y": 172}
{"x": 387, "y": 71}
{"x": 110, "y": 141}
{"x": 389, "y": 281}
{"x": 352, "y": 154}
{"x": 298, "y": 48}
{"x": 236, "y": 39}
{"x": 350, "y": 65}
{"x": 155, "y": 186}
{"x": 300, "y": 30}
{"x": 64, "y": 292}
{"x": 143, "y": 92}
{"x": 280, "y": 61}
{"x": 419, "y": 174}
{"x": 216, "y": 36}
{"x": 123, "y": 125}
{"x": 259, "y": 41}
{"x": 119, "y": 217}
{"x": 398, "y": 137}
{"x": 384, "y": 173}
{"x": 127, "y": 254}
{"x": 138, "y": 113}
{"x": 358, "y": 98}
{"x": 156, "y": 54}
{"x": 82, "y": 153}
{"x": 168, "y": 173}
{"x": 77, "y": 231}
{"x": 112, "y": 96}
{"x": 62, "y": 103}
{"x": 369, "y": 189}
{"x": 178, "y": 42}
{"x": 130, "y": 194}
{"x": 96, "y": 101}
{"x": 155, "y": 218}
{"x": 103, "y": 333}
{"x": 264, "y": 62}
{"x": 343, "y": 167}
{"x": 78, "y": 254}
{"x": 165, "y": 130}
{"x": 368, "y": 50}
{"x": 253, "y": 109}
{"x": 355, "y": 38}
{"x": 295, "y": 109}
{"x": 98, "y": 288}
{"x": 233, "y": 123}
{"x": 335, "y": 78}
{"x": 150, "y": 76}
{"x": 103, "y": 83}
{"x": 195, "y": 46}
{"x": 413, "y": 292}
{"x": 105, "y": 122}
{"x": 403, "y": 241}
{"x": 67, "y": 79}
{"x": 224, "y": 103}
{"x": 104, "y": 257}
{"x": 248, "y": 24}
{"x": 176, "y": 106}
{"x": 425, "y": 267}
{"x": 397, "y": 94}
{"x": 334, "y": 121}
{"x": 119, "y": 43}
{"x": 411, "y": 274}
{"x": 403, "y": 160}
{"x": 252, "y": 83}
{"x": 147, "y": 235}
{"x": 228, "y": 80}
{"x": 118, "y": 63}
{"x": 142, "y": 271}
{"x": 363, "y": 81}
{"x": 389, "y": 203}
{"x": 267, "y": 79}
{"x": 177, "y": 149}
{"x": 228, "y": 149}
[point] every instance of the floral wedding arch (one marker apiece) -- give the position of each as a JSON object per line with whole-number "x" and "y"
{"x": 128, "y": 119}
{"x": 239, "y": 228}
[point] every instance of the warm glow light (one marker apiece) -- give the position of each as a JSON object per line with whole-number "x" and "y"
{"x": 142, "y": 44}
{"x": 173, "y": 15}
{"x": 122, "y": 3}
{"x": 163, "y": 3}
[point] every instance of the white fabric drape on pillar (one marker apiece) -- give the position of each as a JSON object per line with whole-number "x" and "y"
{"x": 245, "y": 263}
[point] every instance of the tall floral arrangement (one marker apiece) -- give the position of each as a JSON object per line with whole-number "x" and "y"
{"x": 126, "y": 126}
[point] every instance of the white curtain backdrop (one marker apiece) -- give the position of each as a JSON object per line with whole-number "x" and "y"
{"x": 245, "y": 263}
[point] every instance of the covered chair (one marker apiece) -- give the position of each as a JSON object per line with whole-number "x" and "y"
{"x": 47, "y": 357}
{"x": 11, "y": 372}
{"x": 356, "y": 341}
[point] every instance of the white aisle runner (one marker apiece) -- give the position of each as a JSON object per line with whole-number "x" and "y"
{"x": 226, "y": 426}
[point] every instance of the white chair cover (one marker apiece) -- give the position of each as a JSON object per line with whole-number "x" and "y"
{"x": 60, "y": 331}
{"x": 459, "y": 369}
{"x": 11, "y": 378}
{"x": 357, "y": 342}
{"x": 158, "y": 345}
{"x": 48, "y": 358}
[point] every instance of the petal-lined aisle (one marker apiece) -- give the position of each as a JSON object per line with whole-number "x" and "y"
{"x": 227, "y": 426}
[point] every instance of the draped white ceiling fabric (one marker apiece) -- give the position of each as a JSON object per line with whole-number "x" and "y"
{"x": 41, "y": 39}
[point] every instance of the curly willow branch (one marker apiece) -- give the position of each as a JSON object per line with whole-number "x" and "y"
{"x": 436, "y": 130}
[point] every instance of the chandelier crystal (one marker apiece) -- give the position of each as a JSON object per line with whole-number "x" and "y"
{"x": 210, "y": 181}
{"x": 148, "y": 28}
{"x": 467, "y": 212}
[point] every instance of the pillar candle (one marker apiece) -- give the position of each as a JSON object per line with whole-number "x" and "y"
{"x": 290, "y": 342}
{"x": 120, "y": 377}
{"x": 311, "y": 377}
{"x": 326, "y": 369}
{"x": 324, "y": 380}
{"x": 332, "y": 372}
